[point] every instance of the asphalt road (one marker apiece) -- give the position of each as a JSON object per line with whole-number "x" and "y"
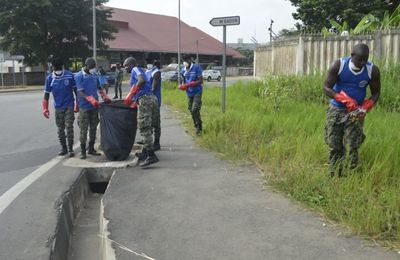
{"x": 27, "y": 139}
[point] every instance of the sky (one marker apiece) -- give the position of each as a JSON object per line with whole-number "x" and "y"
{"x": 255, "y": 15}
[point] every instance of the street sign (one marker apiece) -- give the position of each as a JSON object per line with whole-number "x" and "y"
{"x": 229, "y": 20}
{"x": 224, "y": 21}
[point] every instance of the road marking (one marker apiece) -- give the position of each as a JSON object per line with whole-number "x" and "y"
{"x": 10, "y": 195}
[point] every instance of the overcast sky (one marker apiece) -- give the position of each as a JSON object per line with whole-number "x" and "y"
{"x": 255, "y": 15}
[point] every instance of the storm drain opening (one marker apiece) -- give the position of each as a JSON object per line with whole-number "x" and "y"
{"x": 85, "y": 238}
{"x": 98, "y": 187}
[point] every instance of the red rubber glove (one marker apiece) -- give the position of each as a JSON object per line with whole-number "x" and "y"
{"x": 368, "y": 104}
{"x": 45, "y": 106}
{"x": 191, "y": 84}
{"x": 76, "y": 109}
{"x": 134, "y": 105}
{"x": 349, "y": 102}
{"x": 93, "y": 101}
{"x": 104, "y": 96}
{"x": 183, "y": 87}
{"x": 128, "y": 99}
{"x": 188, "y": 85}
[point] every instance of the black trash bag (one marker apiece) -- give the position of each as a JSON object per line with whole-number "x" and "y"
{"x": 117, "y": 130}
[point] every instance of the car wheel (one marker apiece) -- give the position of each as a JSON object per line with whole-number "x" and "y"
{"x": 209, "y": 79}
{"x": 219, "y": 78}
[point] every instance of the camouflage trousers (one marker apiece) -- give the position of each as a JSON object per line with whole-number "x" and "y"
{"x": 342, "y": 132}
{"x": 88, "y": 120}
{"x": 65, "y": 121}
{"x": 157, "y": 124}
{"x": 148, "y": 117}
{"x": 194, "y": 106}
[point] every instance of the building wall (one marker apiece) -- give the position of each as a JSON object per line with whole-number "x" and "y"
{"x": 310, "y": 54}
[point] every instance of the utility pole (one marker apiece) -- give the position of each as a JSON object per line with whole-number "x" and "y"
{"x": 197, "y": 49}
{"x": 271, "y": 32}
{"x": 94, "y": 31}
{"x": 179, "y": 42}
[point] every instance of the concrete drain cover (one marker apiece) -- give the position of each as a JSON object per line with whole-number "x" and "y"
{"x": 100, "y": 162}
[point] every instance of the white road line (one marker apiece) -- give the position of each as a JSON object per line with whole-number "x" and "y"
{"x": 10, "y": 195}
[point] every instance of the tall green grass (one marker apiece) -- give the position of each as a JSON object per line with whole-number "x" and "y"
{"x": 278, "y": 124}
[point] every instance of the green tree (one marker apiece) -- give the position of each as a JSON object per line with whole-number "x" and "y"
{"x": 316, "y": 14}
{"x": 38, "y": 28}
{"x": 367, "y": 24}
{"x": 284, "y": 33}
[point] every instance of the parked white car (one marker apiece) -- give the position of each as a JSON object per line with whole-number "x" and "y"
{"x": 211, "y": 75}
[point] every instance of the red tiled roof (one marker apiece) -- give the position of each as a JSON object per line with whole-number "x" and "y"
{"x": 147, "y": 32}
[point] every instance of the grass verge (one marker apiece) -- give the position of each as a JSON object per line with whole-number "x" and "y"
{"x": 278, "y": 124}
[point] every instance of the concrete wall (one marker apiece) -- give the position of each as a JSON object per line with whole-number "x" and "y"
{"x": 309, "y": 54}
{"x": 28, "y": 78}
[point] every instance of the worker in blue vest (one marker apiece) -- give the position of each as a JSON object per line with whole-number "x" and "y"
{"x": 88, "y": 84}
{"x": 141, "y": 96}
{"x": 61, "y": 84}
{"x": 153, "y": 73}
{"x": 192, "y": 84}
{"x": 346, "y": 84}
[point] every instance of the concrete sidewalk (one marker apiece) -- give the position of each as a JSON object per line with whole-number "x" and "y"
{"x": 192, "y": 205}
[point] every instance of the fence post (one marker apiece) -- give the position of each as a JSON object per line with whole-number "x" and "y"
{"x": 378, "y": 44}
{"x": 254, "y": 63}
{"x": 300, "y": 57}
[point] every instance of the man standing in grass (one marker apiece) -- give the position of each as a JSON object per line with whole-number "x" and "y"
{"x": 346, "y": 85}
{"x": 192, "y": 84}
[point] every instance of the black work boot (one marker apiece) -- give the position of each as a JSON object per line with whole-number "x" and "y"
{"x": 199, "y": 129}
{"x": 156, "y": 145}
{"x": 63, "y": 150}
{"x": 141, "y": 155}
{"x": 70, "y": 148}
{"x": 150, "y": 159}
{"x": 71, "y": 152}
{"x": 91, "y": 149}
{"x": 83, "y": 151}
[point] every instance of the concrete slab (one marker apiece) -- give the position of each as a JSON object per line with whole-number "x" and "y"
{"x": 32, "y": 222}
{"x": 100, "y": 162}
{"x": 192, "y": 205}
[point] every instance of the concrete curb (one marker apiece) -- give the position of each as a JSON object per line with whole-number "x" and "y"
{"x": 107, "y": 251}
{"x": 69, "y": 206}
{"x": 11, "y": 90}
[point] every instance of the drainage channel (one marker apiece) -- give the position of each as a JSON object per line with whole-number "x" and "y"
{"x": 78, "y": 232}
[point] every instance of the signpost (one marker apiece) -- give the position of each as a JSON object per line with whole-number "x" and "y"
{"x": 224, "y": 21}
{"x": 2, "y": 59}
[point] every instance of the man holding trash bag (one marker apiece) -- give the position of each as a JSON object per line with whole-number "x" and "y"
{"x": 88, "y": 84}
{"x": 141, "y": 96}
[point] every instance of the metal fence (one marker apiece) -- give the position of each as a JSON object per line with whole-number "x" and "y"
{"x": 308, "y": 54}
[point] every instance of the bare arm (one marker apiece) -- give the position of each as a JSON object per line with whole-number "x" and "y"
{"x": 200, "y": 80}
{"x": 331, "y": 79}
{"x": 140, "y": 81}
{"x": 46, "y": 96}
{"x": 375, "y": 84}
{"x": 156, "y": 80}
